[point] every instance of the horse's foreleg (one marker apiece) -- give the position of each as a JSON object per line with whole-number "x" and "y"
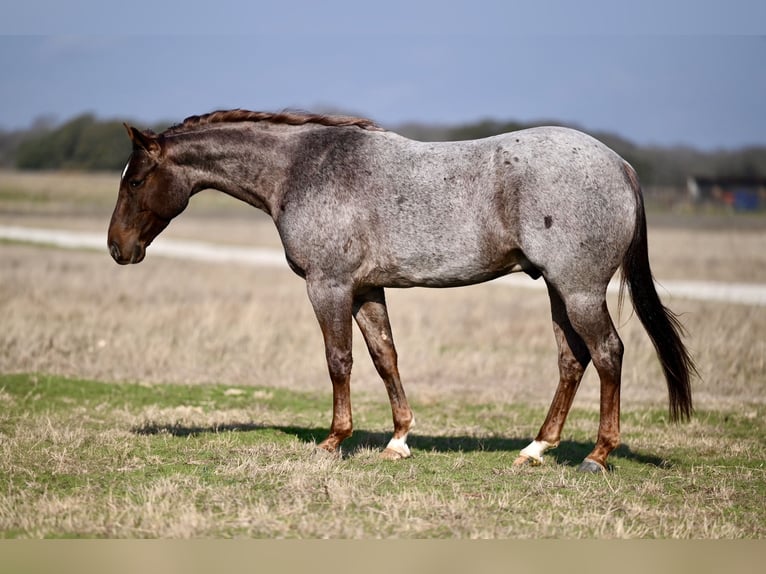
{"x": 573, "y": 359}
{"x": 372, "y": 317}
{"x": 333, "y": 306}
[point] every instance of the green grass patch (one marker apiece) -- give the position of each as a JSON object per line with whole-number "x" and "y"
{"x": 88, "y": 459}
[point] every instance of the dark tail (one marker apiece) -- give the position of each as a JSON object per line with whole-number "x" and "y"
{"x": 661, "y": 323}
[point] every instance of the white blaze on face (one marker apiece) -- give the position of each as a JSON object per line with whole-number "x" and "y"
{"x": 124, "y": 171}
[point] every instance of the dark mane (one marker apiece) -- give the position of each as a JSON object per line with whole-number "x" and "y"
{"x": 287, "y": 117}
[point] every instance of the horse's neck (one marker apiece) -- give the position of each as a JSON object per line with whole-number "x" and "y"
{"x": 248, "y": 164}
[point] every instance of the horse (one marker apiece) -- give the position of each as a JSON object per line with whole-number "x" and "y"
{"x": 359, "y": 209}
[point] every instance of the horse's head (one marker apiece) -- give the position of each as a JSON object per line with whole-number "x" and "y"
{"x": 151, "y": 194}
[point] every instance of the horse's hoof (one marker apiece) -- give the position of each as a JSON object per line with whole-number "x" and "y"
{"x": 325, "y": 454}
{"x": 324, "y": 449}
{"x": 589, "y": 465}
{"x": 394, "y": 454}
{"x": 524, "y": 460}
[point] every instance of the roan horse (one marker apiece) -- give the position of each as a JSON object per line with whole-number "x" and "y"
{"x": 359, "y": 208}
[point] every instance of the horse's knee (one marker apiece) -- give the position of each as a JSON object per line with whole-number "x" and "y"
{"x": 339, "y": 363}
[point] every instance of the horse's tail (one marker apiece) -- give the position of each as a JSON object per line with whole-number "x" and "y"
{"x": 661, "y": 323}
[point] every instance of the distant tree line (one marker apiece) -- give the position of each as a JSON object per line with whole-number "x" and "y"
{"x": 83, "y": 143}
{"x": 88, "y": 143}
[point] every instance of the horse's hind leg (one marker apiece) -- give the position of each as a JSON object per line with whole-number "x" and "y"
{"x": 589, "y": 316}
{"x": 573, "y": 359}
{"x": 372, "y": 317}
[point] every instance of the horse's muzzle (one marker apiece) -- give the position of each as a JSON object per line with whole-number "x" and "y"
{"x": 136, "y": 255}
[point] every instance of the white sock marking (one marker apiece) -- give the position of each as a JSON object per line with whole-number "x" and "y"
{"x": 536, "y": 448}
{"x": 399, "y": 445}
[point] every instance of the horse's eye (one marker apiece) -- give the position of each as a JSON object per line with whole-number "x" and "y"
{"x": 135, "y": 183}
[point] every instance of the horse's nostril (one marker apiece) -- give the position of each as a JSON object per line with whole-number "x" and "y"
{"x": 138, "y": 253}
{"x": 114, "y": 250}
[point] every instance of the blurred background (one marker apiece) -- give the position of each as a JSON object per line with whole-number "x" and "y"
{"x": 677, "y": 89}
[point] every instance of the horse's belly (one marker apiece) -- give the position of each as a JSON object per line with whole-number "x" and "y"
{"x": 443, "y": 270}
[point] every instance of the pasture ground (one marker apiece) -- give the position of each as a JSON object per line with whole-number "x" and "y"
{"x": 124, "y": 460}
{"x": 183, "y": 399}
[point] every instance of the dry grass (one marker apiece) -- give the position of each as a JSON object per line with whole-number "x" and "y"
{"x": 488, "y": 349}
{"x": 78, "y": 314}
{"x": 727, "y": 254}
{"x": 108, "y": 465}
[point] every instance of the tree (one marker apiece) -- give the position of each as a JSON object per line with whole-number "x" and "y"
{"x": 81, "y": 143}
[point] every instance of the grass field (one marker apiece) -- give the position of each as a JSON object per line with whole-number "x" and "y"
{"x": 90, "y": 459}
{"x": 183, "y": 399}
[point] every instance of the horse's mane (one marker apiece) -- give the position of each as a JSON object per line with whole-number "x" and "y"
{"x": 286, "y": 117}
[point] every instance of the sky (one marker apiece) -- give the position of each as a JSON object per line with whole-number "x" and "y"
{"x": 670, "y": 73}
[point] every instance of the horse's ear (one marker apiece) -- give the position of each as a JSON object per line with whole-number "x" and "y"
{"x": 146, "y": 141}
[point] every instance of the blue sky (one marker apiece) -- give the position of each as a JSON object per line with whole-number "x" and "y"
{"x": 670, "y": 73}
